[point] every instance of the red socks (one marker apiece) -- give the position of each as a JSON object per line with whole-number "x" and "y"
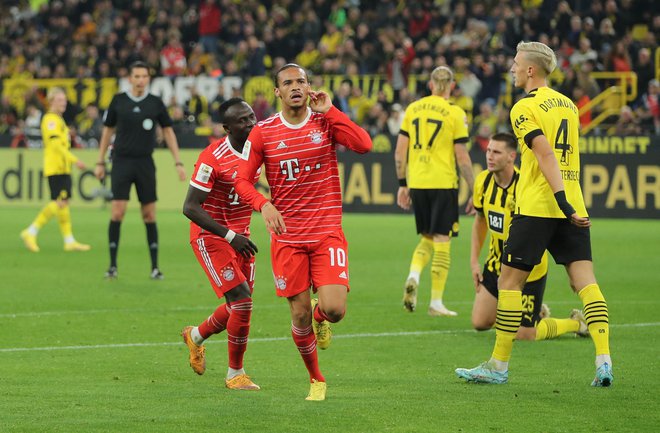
{"x": 238, "y": 328}
{"x": 306, "y": 344}
{"x": 216, "y": 323}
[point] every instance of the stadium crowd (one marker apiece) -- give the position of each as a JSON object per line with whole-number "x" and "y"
{"x": 397, "y": 39}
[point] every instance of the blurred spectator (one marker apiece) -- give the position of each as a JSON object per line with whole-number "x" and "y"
{"x": 341, "y": 98}
{"x": 197, "y": 107}
{"x": 33, "y": 116}
{"x": 580, "y": 98}
{"x": 399, "y": 66}
{"x": 173, "y": 57}
{"x": 261, "y": 107}
{"x": 583, "y": 54}
{"x": 627, "y": 123}
{"x": 217, "y": 101}
{"x": 90, "y": 125}
{"x": 485, "y": 125}
{"x": 209, "y": 25}
{"x": 649, "y": 109}
{"x": 645, "y": 71}
{"x": 395, "y": 119}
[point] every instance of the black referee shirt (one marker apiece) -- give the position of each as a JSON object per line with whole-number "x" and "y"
{"x": 135, "y": 120}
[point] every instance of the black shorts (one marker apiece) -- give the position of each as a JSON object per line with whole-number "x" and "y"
{"x": 138, "y": 171}
{"x": 532, "y": 296}
{"x": 530, "y": 236}
{"x": 60, "y": 186}
{"x": 436, "y": 211}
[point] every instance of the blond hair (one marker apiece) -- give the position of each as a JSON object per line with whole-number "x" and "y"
{"x": 52, "y": 92}
{"x": 442, "y": 77}
{"x": 540, "y": 54}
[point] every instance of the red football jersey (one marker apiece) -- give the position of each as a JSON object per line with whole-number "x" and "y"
{"x": 301, "y": 169}
{"x": 215, "y": 172}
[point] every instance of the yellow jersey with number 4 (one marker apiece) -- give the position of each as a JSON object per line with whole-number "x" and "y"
{"x": 55, "y": 135}
{"x": 547, "y": 112}
{"x": 433, "y": 125}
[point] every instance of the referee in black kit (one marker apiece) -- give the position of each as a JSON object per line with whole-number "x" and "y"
{"x": 133, "y": 115}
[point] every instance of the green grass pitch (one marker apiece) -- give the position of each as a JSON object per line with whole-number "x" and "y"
{"x": 80, "y": 354}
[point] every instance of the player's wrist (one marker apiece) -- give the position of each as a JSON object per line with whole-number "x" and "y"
{"x": 178, "y": 164}
{"x": 101, "y": 163}
{"x": 230, "y": 235}
{"x": 564, "y": 205}
{"x": 403, "y": 182}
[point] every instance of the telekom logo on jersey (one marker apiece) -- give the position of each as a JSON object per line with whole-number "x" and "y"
{"x": 290, "y": 168}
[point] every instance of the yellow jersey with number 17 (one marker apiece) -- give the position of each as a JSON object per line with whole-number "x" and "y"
{"x": 55, "y": 135}
{"x": 547, "y": 112}
{"x": 433, "y": 125}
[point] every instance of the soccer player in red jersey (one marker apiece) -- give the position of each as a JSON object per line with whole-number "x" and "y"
{"x": 219, "y": 230}
{"x": 308, "y": 248}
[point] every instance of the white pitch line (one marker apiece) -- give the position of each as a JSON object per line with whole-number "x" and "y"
{"x": 269, "y": 339}
{"x": 211, "y": 307}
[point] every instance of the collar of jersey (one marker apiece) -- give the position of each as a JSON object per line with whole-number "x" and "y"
{"x": 135, "y": 98}
{"x": 299, "y": 125}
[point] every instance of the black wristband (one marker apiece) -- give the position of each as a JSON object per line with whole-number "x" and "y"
{"x": 403, "y": 182}
{"x": 101, "y": 163}
{"x": 564, "y": 205}
{"x": 177, "y": 164}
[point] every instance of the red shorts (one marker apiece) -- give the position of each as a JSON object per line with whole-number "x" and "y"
{"x": 224, "y": 268}
{"x": 297, "y": 267}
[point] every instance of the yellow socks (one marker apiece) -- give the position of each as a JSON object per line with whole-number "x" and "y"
{"x": 550, "y": 328}
{"x": 45, "y": 215}
{"x": 421, "y": 256}
{"x": 597, "y": 318}
{"x": 439, "y": 269}
{"x": 509, "y": 315}
{"x": 64, "y": 220}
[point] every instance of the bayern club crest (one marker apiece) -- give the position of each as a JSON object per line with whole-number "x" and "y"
{"x": 228, "y": 274}
{"x": 316, "y": 137}
{"x": 280, "y": 283}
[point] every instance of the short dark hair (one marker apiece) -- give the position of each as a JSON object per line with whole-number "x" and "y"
{"x": 507, "y": 138}
{"x": 222, "y": 110}
{"x": 139, "y": 64}
{"x": 289, "y": 66}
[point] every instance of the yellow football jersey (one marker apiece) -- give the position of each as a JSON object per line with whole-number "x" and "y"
{"x": 547, "y": 112}
{"x": 433, "y": 125}
{"x": 497, "y": 203}
{"x": 57, "y": 156}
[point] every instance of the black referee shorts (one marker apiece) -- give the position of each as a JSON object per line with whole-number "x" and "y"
{"x": 530, "y": 236}
{"x": 60, "y": 186}
{"x": 436, "y": 211}
{"x": 138, "y": 171}
{"x": 532, "y": 296}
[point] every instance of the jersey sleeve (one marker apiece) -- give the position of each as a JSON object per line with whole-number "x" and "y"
{"x": 461, "y": 134}
{"x": 524, "y": 124}
{"x": 405, "y": 124}
{"x": 247, "y": 169}
{"x": 478, "y": 192}
{"x": 348, "y": 133}
{"x": 110, "y": 115}
{"x": 164, "y": 119}
{"x": 204, "y": 174}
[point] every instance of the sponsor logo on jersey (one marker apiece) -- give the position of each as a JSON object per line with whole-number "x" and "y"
{"x": 233, "y": 176}
{"x": 136, "y": 109}
{"x": 204, "y": 173}
{"x": 281, "y": 146}
{"x": 343, "y": 275}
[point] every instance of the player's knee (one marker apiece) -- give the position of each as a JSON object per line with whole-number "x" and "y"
{"x": 525, "y": 333}
{"x": 481, "y": 325}
{"x": 335, "y": 315}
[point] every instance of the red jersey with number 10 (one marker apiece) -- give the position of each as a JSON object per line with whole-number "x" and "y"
{"x": 215, "y": 172}
{"x": 301, "y": 169}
